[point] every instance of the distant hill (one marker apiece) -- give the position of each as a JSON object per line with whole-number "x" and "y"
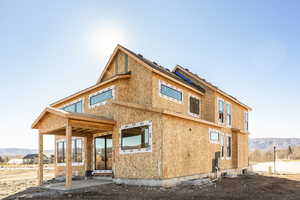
{"x": 266, "y": 144}
{"x": 19, "y": 151}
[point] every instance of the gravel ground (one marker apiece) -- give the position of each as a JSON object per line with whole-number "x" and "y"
{"x": 258, "y": 187}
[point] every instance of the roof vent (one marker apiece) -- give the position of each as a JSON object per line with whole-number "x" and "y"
{"x": 187, "y": 69}
{"x": 154, "y": 63}
{"x": 140, "y": 55}
{"x": 167, "y": 69}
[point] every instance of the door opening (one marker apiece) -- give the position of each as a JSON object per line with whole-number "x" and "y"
{"x": 103, "y": 152}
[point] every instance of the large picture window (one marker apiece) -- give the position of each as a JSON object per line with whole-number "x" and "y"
{"x": 74, "y": 107}
{"x": 136, "y": 137}
{"x": 194, "y": 106}
{"x": 170, "y": 92}
{"x": 77, "y": 150}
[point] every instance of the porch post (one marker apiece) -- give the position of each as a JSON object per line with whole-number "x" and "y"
{"x": 40, "y": 160}
{"x": 88, "y": 152}
{"x": 69, "y": 156}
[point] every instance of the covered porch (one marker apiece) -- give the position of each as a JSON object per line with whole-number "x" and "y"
{"x": 61, "y": 123}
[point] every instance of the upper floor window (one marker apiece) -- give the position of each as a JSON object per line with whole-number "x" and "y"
{"x": 228, "y": 114}
{"x": 229, "y": 146}
{"x": 194, "y": 106}
{"x": 136, "y": 137}
{"x": 170, "y": 92}
{"x": 74, "y": 107}
{"x": 246, "y": 118}
{"x": 221, "y": 111}
{"x": 100, "y": 97}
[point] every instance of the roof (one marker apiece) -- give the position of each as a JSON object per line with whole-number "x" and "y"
{"x": 210, "y": 85}
{"x": 164, "y": 70}
{"x": 32, "y": 156}
{"x": 72, "y": 115}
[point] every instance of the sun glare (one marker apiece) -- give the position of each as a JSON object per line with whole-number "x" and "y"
{"x": 103, "y": 40}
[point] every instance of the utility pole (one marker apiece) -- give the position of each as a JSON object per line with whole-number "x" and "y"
{"x": 274, "y": 159}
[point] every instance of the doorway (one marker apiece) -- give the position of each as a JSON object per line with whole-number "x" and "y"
{"x": 103, "y": 152}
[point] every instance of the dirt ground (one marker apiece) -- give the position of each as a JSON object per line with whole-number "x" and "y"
{"x": 258, "y": 187}
{"x": 16, "y": 180}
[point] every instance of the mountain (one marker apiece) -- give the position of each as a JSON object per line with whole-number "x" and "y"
{"x": 266, "y": 144}
{"x": 19, "y": 151}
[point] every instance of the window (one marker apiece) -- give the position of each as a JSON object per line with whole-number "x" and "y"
{"x": 136, "y": 137}
{"x": 194, "y": 106}
{"x": 170, "y": 92}
{"x": 222, "y": 145}
{"x": 214, "y": 136}
{"x": 61, "y": 146}
{"x": 228, "y": 114}
{"x": 77, "y": 150}
{"x": 229, "y": 143}
{"x": 246, "y": 121}
{"x": 74, "y": 107}
{"x": 221, "y": 111}
{"x": 101, "y": 97}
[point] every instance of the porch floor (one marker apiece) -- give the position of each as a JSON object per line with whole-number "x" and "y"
{"x": 78, "y": 184}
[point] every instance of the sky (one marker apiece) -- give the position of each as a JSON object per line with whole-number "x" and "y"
{"x": 51, "y": 49}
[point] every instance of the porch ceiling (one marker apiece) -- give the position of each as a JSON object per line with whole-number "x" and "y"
{"x": 54, "y": 121}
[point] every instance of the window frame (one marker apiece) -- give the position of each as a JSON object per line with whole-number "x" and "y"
{"x": 112, "y": 88}
{"x": 135, "y": 125}
{"x": 246, "y": 121}
{"x": 218, "y": 109}
{"x": 65, "y": 142}
{"x": 227, "y": 137}
{"x": 209, "y": 136}
{"x": 227, "y": 121}
{"x": 168, "y": 97}
{"x": 189, "y": 104}
{"x": 74, "y": 102}
{"x": 222, "y": 144}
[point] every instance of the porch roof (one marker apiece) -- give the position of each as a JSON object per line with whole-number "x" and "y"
{"x": 54, "y": 121}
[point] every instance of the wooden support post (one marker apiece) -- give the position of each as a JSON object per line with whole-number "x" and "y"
{"x": 88, "y": 152}
{"x": 69, "y": 156}
{"x": 40, "y": 161}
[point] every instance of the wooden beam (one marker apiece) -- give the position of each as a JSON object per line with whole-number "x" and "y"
{"x": 69, "y": 156}
{"x": 52, "y": 131}
{"x": 40, "y": 160}
{"x": 91, "y": 125}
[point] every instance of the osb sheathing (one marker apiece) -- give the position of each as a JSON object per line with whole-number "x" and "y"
{"x": 51, "y": 121}
{"x": 188, "y": 151}
{"x": 159, "y": 102}
{"x": 237, "y": 113}
{"x": 180, "y": 147}
{"x": 208, "y": 101}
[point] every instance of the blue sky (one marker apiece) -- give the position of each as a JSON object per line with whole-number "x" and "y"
{"x": 50, "y": 49}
